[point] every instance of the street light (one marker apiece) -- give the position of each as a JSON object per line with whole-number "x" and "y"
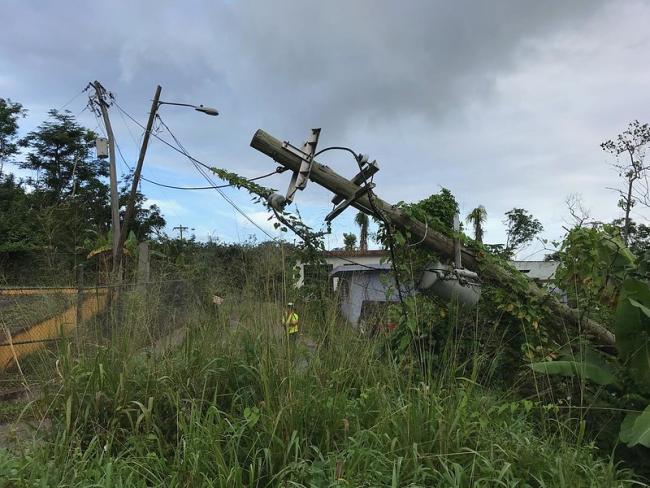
{"x": 200, "y": 108}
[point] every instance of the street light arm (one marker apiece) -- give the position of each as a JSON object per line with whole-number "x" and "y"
{"x": 200, "y": 108}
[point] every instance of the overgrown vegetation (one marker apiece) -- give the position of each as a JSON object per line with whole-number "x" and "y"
{"x": 233, "y": 406}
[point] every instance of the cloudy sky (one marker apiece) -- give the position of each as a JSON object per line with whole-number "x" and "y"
{"x": 505, "y": 103}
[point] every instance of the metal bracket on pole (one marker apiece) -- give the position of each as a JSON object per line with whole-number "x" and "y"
{"x": 367, "y": 172}
{"x": 349, "y": 201}
{"x": 306, "y": 153}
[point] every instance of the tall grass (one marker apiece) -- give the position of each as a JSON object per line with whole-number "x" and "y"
{"x": 235, "y": 405}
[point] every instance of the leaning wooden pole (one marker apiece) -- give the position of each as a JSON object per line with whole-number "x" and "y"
{"x": 427, "y": 237}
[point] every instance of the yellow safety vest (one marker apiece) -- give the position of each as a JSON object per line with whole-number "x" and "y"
{"x": 290, "y": 321}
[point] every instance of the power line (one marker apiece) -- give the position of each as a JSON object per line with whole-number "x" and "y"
{"x": 198, "y": 163}
{"x": 184, "y": 153}
{"x": 71, "y": 100}
{"x": 278, "y": 170}
{"x": 122, "y": 112}
{"x": 180, "y": 149}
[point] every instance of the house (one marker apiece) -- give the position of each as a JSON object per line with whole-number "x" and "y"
{"x": 541, "y": 272}
{"x": 365, "y": 283}
{"x": 315, "y": 273}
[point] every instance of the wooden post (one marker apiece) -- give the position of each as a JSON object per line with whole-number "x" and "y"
{"x": 143, "y": 266}
{"x": 128, "y": 214}
{"x": 457, "y": 256}
{"x": 421, "y": 233}
{"x": 80, "y": 301}
{"x": 115, "y": 206}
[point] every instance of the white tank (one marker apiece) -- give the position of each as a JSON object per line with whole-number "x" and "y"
{"x": 451, "y": 284}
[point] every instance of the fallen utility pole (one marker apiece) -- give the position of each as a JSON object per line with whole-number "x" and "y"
{"x": 130, "y": 207}
{"x": 420, "y": 232}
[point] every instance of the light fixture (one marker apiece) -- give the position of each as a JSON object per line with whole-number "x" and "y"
{"x": 199, "y": 108}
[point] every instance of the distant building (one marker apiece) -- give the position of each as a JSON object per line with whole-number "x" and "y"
{"x": 365, "y": 283}
{"x": 539, "y": 271}
{"x": 316, "y": 273}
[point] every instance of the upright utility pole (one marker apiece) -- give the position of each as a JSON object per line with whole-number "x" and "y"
{"x": 128, "y": 214}
{"x": 180, "y": 229}
{"x": 100, "y": 92}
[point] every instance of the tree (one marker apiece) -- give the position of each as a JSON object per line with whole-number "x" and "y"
{"x": 349, "y": 241}
{"x": 9, "y": 114}
{"x": 522, "y": 228}
{"x": 17, "y": 217}
{"x": 69, "y": 190}
{"x": 638, "y": 236}
{"x": 477, "y": 218}
{"x": 437, "y": 210}
{"x": 361, "y": 219}
{"x": 631, "y": 145}
{"x": 60, "y": 153}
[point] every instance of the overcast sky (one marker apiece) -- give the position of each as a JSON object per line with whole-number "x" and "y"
{"x": 505, "y": 102}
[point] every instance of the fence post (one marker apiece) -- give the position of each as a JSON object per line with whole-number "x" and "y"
{"x": 457, "y": 252}
{"x": 143, "y": 266}
{"x": 80, "y": 300}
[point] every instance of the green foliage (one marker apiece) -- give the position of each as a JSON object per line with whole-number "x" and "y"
{"x": 633, "y": 331}
{"x": 349, "y": 241}
{"x": 10, "y": 112}
{"x": 60, "y": 150}
{"x": 593, "y": 262}
{"x": 477, "y": 218}
{"x": 600, "y": 373}
{"x": 437, "y": 210}
{"x": 362, "y": 220}
{"x": 147, "y": 221}
{"x": 46, "y": 220}
{"x": 234, "y": 407}
{"x": 521, "y": 228}
{"x": 635, "y": 428}
{"x": 17, "y": 217}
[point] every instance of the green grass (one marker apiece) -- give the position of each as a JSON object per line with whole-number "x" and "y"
{"x": 237, "y": 407}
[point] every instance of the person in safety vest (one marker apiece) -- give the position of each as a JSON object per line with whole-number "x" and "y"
{"x": 290, "y": 322}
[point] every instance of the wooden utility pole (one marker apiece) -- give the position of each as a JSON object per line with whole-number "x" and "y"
{"x": 100, "y": 92}
{"x": 128, "y": 214}
{"x": 180, "y": 229}
{"x": 421, "y": 233}
{"x": 144, "y": 267}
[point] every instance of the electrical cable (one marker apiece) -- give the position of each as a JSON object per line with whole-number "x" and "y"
{"x": 196, "y": 163}
{"x": 337, "y": 148}
{"x": 180, "y": 149}
{"x": 371, "y": 195}
{"x": 161, "y": 139}
{"x": 71, "y": 100}
{"x": 278, "y": 170}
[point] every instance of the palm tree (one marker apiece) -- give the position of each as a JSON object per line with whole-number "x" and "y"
{"x": 361, "y": 219}
{"x": 477, "y": 218}
{"x": 349, "y": 241}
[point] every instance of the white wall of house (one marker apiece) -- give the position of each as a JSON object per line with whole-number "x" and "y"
{"x": 537, "y": 270}
{"x": 335, "y": 261}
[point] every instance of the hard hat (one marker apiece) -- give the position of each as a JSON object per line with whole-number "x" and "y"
{"x": 290, "y": 304}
